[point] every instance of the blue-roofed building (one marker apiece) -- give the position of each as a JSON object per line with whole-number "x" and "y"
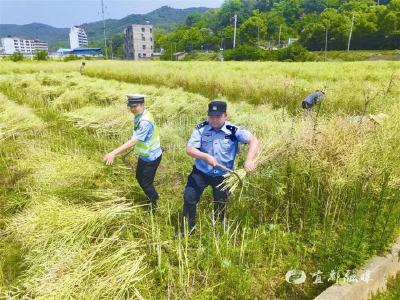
{"x": 80, "y": 51}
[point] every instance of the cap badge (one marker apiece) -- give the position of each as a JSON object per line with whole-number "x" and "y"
{"x": 214, "y": 108}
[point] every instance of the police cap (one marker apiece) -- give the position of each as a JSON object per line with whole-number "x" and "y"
{"x": 216, "y": 108}
{"x": 135, "y": 99}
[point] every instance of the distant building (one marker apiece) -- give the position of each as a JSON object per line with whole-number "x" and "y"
{"x": 139, "y": 42}
{"x": 77, "y": 37}
{"x": 10, "y": 45}
{"x": 40, "y": 45}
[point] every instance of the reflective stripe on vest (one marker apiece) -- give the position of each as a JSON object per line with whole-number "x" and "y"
{"x": 144, "y": 148}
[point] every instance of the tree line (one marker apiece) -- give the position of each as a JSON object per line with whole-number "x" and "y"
{"x": 375, "y": 25}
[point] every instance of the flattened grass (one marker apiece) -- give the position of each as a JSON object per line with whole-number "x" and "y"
{"x": 17, "y": 120}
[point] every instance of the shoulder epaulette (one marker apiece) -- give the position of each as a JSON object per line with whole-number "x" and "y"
{"x": 201, "y": 125}
{"x": 232, "y": 129}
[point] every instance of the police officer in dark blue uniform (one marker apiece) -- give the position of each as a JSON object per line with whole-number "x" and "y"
{"x": 213, "y": 143}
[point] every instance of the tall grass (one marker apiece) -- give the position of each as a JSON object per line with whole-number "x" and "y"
{"x": 279, "y": 84}
{"x": 324, "y": 197}
{"x": 261, "y": 82}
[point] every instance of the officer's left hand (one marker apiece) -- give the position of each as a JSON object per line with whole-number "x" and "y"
{"x": 109, "y": 158}
{"x": 249, "y": 166}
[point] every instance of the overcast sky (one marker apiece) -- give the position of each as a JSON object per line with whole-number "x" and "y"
{"x": 64, "y": 13}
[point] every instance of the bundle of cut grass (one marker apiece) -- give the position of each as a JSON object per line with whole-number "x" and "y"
{"x": 232, "y": 180}
{"x": 105, "y": 120}
{"x": 16, "y": 119}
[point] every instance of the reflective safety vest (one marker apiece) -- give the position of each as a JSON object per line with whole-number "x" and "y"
{"x": 144, "y": 148}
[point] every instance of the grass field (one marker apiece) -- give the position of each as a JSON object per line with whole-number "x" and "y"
{"x": 325, "y": 196}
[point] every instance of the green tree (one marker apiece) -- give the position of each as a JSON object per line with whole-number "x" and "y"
{"x": 246, "y": 52}
{"x": 116, "y": 43}
{"x": 243, "y": 9}
{"x": 393, "y": 15}
{"x": 290, "y": 9}
{"x": 192, "y": 19}
{"x": 277, "y": 27}
{"x": 391, "y": 22}
{"x": 337, "y": 25}
{"x": 365, "y": 24}
{"x": 265, "y": 5}
{"x": 375, "y": 26}
{"x": 227, "y": 37}
{"x": 252, "y": 31}
{"x": 17, "y": 56}
{"x": 295, "y": 52}
{"x": 194, "y": 38}
{"x": 41, "y": 55}
{"x": 314, "y": 6}
{"x": 357, "y": 5}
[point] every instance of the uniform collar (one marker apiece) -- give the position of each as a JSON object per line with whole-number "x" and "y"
{"x": 223, "y": 128}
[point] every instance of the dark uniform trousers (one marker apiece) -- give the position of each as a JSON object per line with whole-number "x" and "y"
{"x": 197, "y": 182}
{"x": 145, "y": 173}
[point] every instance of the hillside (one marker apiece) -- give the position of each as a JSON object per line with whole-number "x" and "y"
{"x": 164, "y": 18}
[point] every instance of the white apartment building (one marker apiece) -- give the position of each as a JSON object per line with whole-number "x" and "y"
{"x": 40, "y": 45}
{"x": 139, "y": 42}
{"x": 77, "y": 37}
{"x": 10, "y": 45}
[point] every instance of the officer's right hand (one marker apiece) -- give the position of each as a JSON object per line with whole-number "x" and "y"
{"x": 109, "y": 158}
{"x": 211, "y": 160}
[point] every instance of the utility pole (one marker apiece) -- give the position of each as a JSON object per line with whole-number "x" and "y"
{"x": 104, "y": 28}
{"x": 326, "y": 42}
{"x": 351, "y": 31}
{"x": 279, "y": 36}
{"x": 234, "y": 32}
